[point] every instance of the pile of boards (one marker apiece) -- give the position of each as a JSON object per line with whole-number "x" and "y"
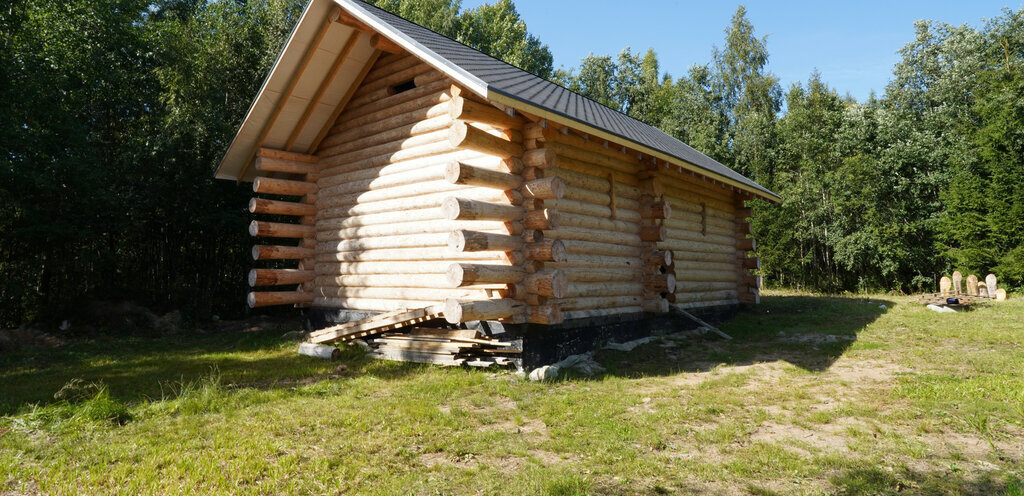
{"x": 976, "y": 291}
{"x": 410, "y": 336}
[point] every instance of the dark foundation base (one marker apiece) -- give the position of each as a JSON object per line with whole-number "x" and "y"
{"x": 547, "y": 344}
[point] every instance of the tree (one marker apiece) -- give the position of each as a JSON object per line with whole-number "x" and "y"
{"x": 498, "y": 30}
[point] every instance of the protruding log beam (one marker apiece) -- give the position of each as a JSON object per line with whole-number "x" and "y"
{"x": 458, "y": 311}
{"x": 460, "y": 173}
{"x": 287, "y": 187}
{"x": 653, "y": 233}
{"x": 269, "y": 164}
{"x": 548, "y": 250}
{"x": 464, "y": 209}
{"x": 749, "y": 297}
{"x": 536, "y": 131}
{"x": 746, "y": 244}
{"x": 545, "y": 188}
{"x": 270, "y": 298}
{"x": 750, "y": 281}
{"x": 280, "y": 230}
{"x": 744, "y": 213}
{"x": 290, "y": 156}
{"x": 541, "y": 158}
{"x": 275, "y": 252}
{"x": 549, "y": 314}
{"x": 545, "y": 218}
{"x": 351, "y": 21}
{"x": 660, "y": 283}
{"x": 659, "y": 305}
{"x": 658, "y": 258}
{"x": 277, "y": 277}
{"x": 469, "y": 110}
{"x": 751, "y": 263}
{"x": 274, "y": 207}
{"x": 385, "y": 45}
{"x": 466, "y": 136}
{"x": 552, "y": 283}
{"x": 465, "y": 274}
{"x": 656, "y": 210}
{"x": 469, "y": 241}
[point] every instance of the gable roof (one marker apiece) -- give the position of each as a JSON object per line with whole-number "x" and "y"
{"x": 506, "y": 84}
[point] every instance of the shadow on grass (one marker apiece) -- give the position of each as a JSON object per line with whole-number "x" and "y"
{"x": 140, "y": 369}
{"x": 811, "y": 332}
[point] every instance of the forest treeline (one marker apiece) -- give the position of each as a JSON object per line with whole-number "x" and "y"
{"x": 114, "y": 114}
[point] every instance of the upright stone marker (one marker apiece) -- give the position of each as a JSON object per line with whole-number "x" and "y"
{"x": 957, "y": 279}
{"x": 982, "y": 289}
{"x": 945, "y": 285}
{"x": 1000, "y": 294}
{"x": 992, "y": 283}
{"x": 972, "y": 285}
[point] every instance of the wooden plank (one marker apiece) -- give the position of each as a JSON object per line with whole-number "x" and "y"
{"x": 328, "y": 79}
{"x": 418, "y": 358}
{"x": 374, "y": 325}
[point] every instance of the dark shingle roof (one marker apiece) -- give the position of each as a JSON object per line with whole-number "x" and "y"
{"x": 515, "y": 83}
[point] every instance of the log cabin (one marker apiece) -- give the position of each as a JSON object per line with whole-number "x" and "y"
{"x": 394, "y": 168}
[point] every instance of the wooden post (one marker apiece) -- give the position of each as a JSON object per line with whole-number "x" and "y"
{"x": 466, "y": 136}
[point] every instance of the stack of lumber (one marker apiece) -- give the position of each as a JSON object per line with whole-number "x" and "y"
{"x": 396, "y": 336}
{"x": 442, "y": 347}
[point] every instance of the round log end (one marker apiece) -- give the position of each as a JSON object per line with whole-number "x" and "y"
{"x": 456, "y": 106}
{"x": 254, "y": 228}
{"x": 457, "y": 133}
{"x": 453, "y": 172}
{"x": 457, "y": 240}
{"x": 559, "y": 284}
{"x": 453, "y": 311}
{"x": 451, "y": 209}
{"x": 456, "y": 274}
{"x": 554, "y": 218}
{"x": 253, "y": 277}
{"x": 671, "y": 282}
{"x": 252, "y": 205}
{"x": 256, "y": 184}
{"x": 557, "y": 187}
{"x": 558, "y": 252}
{"x": 251, "y": 299}
{"x": 256, "y": 252}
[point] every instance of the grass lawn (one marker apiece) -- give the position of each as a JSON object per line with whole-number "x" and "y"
{"x": 815, "y": 395}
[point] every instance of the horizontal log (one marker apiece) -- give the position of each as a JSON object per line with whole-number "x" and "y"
{"x": 696, "y": 230}
{"x": 707, "y": 304}
{"x": 358, "y": 171}
{"x": 545, "y": 188}
{"x": 594, "y": 235}
{"x": 392, "y": 79}
{"x": 751, "y": 263}
{"x": 415, "y": 294}
{"x": 752, "y": 297}
{"x": 601, "y": 312}
{"x": 274, "y": 252}
{"x": 465, "y": 136}
{"x": 390, "y": 194}
{"x": 421, "y": 175}
{"x": 417, "y": 128}
{"x": 283, "y": 155}
{"x": 746, "y": 244}
{"x": 271, "y": 186}
{"x": 368, "y": 304}
{"x": 438, "y": 240}
{"x": 332, "y": 158}
{"x": 678, "y": 246}
{"x": 270, "y": 298}
{"x": 593, "y": 289}
{"x": 422, "y": 109}
{"x": 383, "y": 44}
{"x": 420, "y": 255}
{"x": 708, "y": 296}
{"x": 466, "y": 209}
{"x": 268, "y": 164}
{"x": 460, "y": 275}
{"x": 546, "y": 250}
{"x": 599, "y": 302}
{"x": 461, "y": 173}
{"x": 599, "y": 198}
{"x": 542, "y": 158}
{"x": 572, "y": 153}
{"x": 274, "y": 207}
{"x": 578, "y": 260}
{"x": 463, "y": 240}
{"x": 459, "y": 311}
{"x": 683, "y": 267}
{"x": 567, "y": 206}
{"x": 721, "y": 205}
{"x": 472, "y": 111}
{"x": 694, "y": 206}
{"x": 597, "y": 184}
{"x": 411, "y": 228}
{"x": 422, "y": 148}
{"x": 626, "y": 178}
{"x": 574, "y": 246}
{"x": 420, "y": 214}
{"x": 280, "y": 230}
{"x": 424, "y": 200}
{"x": 552, "y": 283}
{"x": 426, "y": 281}
{"x": 685, "y": 286}
{"x": 344, "y": 268}
{"x": 277, "y": 277}
{"x": 696, "y": 236}
{"x": 577, "y": 274}
{"x": 542, "y": 219}
{"x": 592, "y": 222}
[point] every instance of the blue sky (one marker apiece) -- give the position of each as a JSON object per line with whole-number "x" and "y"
{"x": 853, "y": 44}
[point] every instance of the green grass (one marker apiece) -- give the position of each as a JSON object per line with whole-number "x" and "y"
{"x": 815, "y": 395}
